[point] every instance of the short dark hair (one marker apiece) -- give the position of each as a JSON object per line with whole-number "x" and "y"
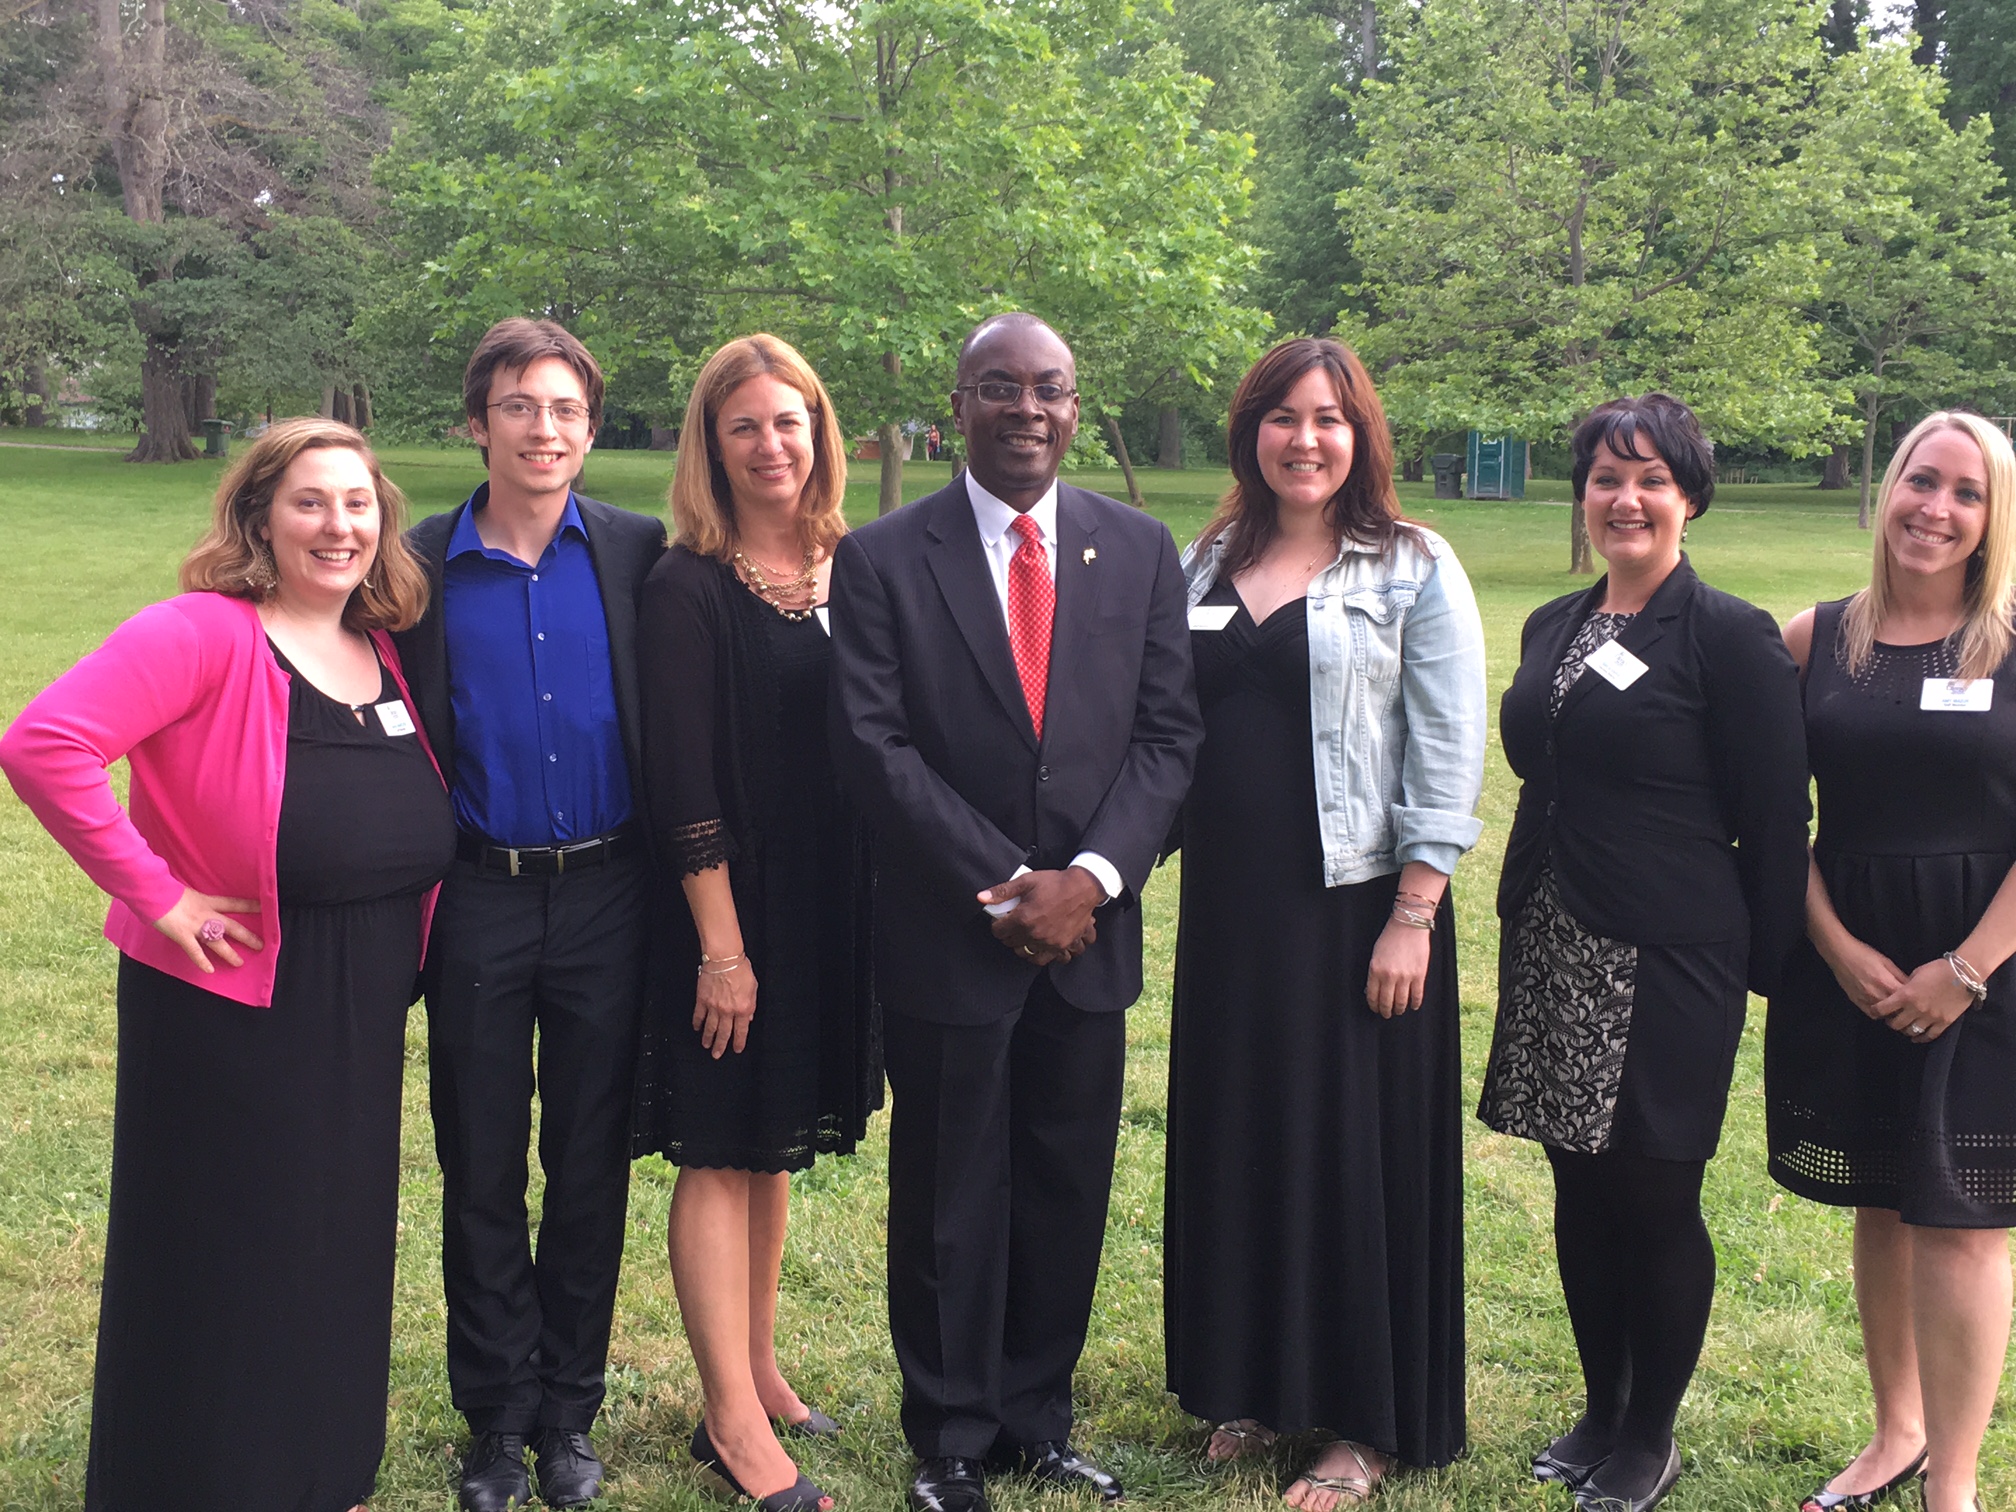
{"x": 1006, "y": 318}
{"x": 516, "y": 344}
{"x": 1671, "y": 429}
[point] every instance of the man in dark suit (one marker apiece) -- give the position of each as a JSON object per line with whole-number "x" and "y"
{"x": 524, "y": 670}
{"x": 1013, "y": 710}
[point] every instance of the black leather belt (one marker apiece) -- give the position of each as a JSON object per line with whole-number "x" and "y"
{"x": 546, "y": 860}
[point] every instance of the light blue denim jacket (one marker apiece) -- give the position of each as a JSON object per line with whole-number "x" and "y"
{"x": 1396, "y": 703}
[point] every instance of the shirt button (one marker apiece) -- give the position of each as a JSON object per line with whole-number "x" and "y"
{"x": 1550, "y": 744}
{"x": 549, "y": 698}
{"x": 542, "y": 635}
{"x": 552, "y": 758}
{"x": 1043, "y": 774}
{"x": 535, "y": 577}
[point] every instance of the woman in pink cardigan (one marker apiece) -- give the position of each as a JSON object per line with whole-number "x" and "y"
{"x": 271, "y": 879}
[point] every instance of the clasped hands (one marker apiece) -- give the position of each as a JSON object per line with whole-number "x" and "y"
{"x": 1921, "y": 1005}
{"x": 1053, "y": 919}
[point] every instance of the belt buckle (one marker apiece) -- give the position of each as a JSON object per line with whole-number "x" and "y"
{"x": 511, "y": 855}
{"x": 559, "y": 860}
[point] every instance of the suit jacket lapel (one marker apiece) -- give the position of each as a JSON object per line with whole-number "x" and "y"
{"x": 1078, "y": 580}
{"x": 1559, "y": 639}
{"x": 619, "y": 613}
{"x": 958, "y": 561}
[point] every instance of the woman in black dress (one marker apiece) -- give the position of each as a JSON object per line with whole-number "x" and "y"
{"x": 1656, "y": 865}
{"x": 1314, "y": 1226}
{"x": 245, "y": 1328}
{"x": 772, "y": 1058}
{"x": 1890, "y": 1055}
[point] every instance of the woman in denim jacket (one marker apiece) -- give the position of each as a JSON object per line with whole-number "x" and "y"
{"x": 1314, "y": 1215}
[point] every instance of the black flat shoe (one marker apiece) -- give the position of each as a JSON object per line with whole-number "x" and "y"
{"x": 1824, "y": 1500}
{"x": 1590, "y": 1497}
{"x": 1055, "y": 1462}
{"x": 949, "y": 1483}
{"x": 818, "y": 1425}
{"x": 494, "y": 1478}
{"x": 1548, "y": 1466}
{"x": 802, "y": 1495}
{"x": 570, "y": 1473}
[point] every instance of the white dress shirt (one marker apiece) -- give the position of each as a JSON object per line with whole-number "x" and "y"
{"x": 1000, "y": 542}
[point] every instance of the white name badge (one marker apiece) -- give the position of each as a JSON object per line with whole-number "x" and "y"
{"x": 1212, "y": 616}
{"x": 825, "y": 617}
{"x": 1615, "y": 665}
{"x": 394, "y": 718}
{"x": 1958, "y": 695}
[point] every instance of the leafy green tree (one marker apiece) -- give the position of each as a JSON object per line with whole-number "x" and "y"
{"x": 1563, "y": 202}
{"x": 867, "y": 181}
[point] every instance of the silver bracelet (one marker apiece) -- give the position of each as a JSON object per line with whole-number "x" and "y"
{"x": 1967, "y": 976}
{"x": 1404, "y": 915}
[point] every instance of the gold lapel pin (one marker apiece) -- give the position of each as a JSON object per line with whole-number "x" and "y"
{"x": 1091, "y": 555}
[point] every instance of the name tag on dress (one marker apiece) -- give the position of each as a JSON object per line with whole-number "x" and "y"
{"x": 825, "y": 617}
{"x": 1958, "y": 695}
{"x": 393, "y": 717}
{"x": 1615, "y": 665}
{"x": 1212, "y": 616}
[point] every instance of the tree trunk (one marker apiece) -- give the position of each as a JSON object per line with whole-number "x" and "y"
{"x": 360, "y": 406}
{"x": 202, "y": 391}
{"x": 164, "y": 414}
{"x": 1579, "y": 560}
{"x": 1126, "y": 463}
{"x": 1835, "y": 474}
{"x": 1169, "y": 437}
{"x": 1868, "y": 462}
{"x": 1368, "y": 37}
{"x": 34, "y": 413}
{"x": 328, "y": 409}
{"x": 891, "y": 435}
{"x": 340, "y": 404}
{"x": 1410, "y": 467}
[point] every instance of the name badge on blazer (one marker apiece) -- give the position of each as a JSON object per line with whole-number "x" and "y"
{"x": 1957, "y": 695}
{"x": 393, "y": 718}
{"x": 1212, "y": 616}
{"x": 825, "y": 617}
{"x": 1615, "y": 665}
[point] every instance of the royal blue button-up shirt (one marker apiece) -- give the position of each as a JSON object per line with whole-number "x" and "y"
{"x": 538, "y": 750}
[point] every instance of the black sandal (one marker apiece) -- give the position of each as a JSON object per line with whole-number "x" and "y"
{"x": 1824, "y": 1500}
{"x": 802, "y": 1496}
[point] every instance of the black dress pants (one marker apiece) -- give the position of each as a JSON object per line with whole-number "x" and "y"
{"x": 1000, "y": 1166}
{"x": 528, "y": 1340}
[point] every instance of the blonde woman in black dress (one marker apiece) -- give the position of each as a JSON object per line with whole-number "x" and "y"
{"x": 1891, "y": 1052}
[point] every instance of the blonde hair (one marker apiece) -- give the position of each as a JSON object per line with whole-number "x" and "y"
{"x": 1985, "y": 634}
{"x": 233, "y": 558}
{"x": 703, "y": 508}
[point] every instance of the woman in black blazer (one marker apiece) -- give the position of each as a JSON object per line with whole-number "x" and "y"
{"x": 1657, "y": 866}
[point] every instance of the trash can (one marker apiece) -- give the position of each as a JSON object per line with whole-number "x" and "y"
{"x": 1448, "y": 474}
{"x": 215, "y": 443}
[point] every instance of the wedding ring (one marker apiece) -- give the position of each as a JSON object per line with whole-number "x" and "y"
{"x": 211, "y": 932}
{"x": 1917, "y": 1028}
{"x": 1028, "y": 952}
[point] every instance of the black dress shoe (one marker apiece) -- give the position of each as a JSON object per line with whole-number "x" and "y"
{"x": 493, "y": 1473}
{"x": 802, "y": 1495}
{"x": 569, "y": 1472}
{"x": 1824, "y": 1500}
{"x": 1590, "y": 1497}
{"x": 1550, "y": 1466}
{"x": 818, "y": 1425}
{"x": 949, "y": 1483}
{"x": 1055, "y": 1461}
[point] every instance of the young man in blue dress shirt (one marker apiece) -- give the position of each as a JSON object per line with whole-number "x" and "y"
{"x": 524, "y": 671}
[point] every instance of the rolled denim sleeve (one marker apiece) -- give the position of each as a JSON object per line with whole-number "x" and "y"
{"x": 1442, "y": 701}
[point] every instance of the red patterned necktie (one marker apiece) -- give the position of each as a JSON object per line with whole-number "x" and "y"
{"x": 1032, "y": 604}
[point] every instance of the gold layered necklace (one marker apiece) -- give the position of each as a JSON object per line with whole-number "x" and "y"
{"x": 776, "y": 591}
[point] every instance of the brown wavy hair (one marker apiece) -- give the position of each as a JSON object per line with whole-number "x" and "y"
{"x": 1366, "y": 509}
{"x": 233, "y": 559}
{"x": 703, "y": 507}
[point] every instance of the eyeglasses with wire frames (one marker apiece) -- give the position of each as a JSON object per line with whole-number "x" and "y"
{"x": 521, "y": 411}
{"x": 1001, "y": 391}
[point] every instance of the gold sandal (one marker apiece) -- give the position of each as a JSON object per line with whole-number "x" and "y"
{"x": 1257, "y": 1438}
{"x": 1356, "y": 1489}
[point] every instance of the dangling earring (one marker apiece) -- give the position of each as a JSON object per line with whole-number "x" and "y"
{"x": 261, "y": 575}
{"x": 1683, "y": 535}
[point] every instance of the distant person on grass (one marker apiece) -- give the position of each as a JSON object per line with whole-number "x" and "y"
{"x": 1313, "y": 1232}
{"x": 525, "y": 671}
{"x": 1655, "y": 871}
{"x": 1890, "y": 1057}
{"x": 761, "y": 1044}
{"x": 271, "y": 883}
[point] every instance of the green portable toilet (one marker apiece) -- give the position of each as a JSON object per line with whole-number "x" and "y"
{"x": 1497, "y": 467}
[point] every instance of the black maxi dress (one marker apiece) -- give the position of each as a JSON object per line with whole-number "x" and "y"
{"x": 737, "y": 769}
{"x": 1917, "y": 832}
{"x": 1313, "y": 1228}
{"x": 245, "y": 1330}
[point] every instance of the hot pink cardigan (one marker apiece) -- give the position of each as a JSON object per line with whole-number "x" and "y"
{"x": 189, "y": 692}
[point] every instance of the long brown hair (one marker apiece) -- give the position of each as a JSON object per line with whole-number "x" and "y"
{"x": 233, "y": 558}
{"x": 1366, "y": 509}
{"x": 703, "y": 508}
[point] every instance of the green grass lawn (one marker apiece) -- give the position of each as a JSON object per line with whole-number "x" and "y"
{"x": 1780, "y": 1400}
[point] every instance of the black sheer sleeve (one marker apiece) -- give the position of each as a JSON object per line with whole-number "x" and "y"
{"x": 682, "y": 651}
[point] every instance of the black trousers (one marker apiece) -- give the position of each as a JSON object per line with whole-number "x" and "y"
{"x": 1000, "y": 1166}
{"x": 528, "y": 1339}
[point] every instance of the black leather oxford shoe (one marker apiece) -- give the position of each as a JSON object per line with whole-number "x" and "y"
{"x": 493, "y": 1473}
{"x": 949, "y": 1483}
{"x": 569, "y": 1472}
{"x": 1055, "y": 1461}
